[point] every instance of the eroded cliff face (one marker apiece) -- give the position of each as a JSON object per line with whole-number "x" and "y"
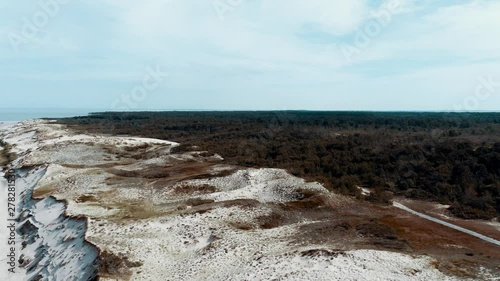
{"x": 53, "y": 245}
{"x": 50, "y": 245}
{"x": 154, "y": 215}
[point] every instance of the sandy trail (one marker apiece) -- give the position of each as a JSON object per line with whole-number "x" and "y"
{"x": 447, "y": 224}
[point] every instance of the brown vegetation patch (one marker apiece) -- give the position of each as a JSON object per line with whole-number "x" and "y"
{"x": 194, "y": 189}
{"x": 334, "y": 231}
{"x": 137, "y": 147}
{"x": 457, "y": 252}
{"x": 3, "y": 160}
{"x": 343, "y": 226}
{"x": 220, "y": 174}
{"x": 434, "y": 210}
{"x": 75, "y": 166}
{"x": 309, "y": 203}
{"x": 136, "y": 210}
{"x": 242, "y": 226}
{"x": 353, "y": 226}
{"x": 301, "y": 194}
{"x": 123, "y": 173}
{"x": 380, "y": 196}
{"x": 271, "y": 221}
{"x": 199, "y": 202}
{"x": 243, "y": 203}
{"x": 161, "y": 177}
{"x": 375, "y": 229}
{"x": 323, "y": 253}
{"x": 470, "y": 213}
{"x": 182, "y": 171}
{"x": 86, "y": 198}
{"x": 183, "y": 148}
{"x": 202, "y": 206}
{"x": 462, "y": 268}
{"x": 116, "y": 265}
{"x": 154, "y": 172}
{"x": 6, "y": 156}
{"x": 40, "y": 193}
{"x": 118, "y": 181}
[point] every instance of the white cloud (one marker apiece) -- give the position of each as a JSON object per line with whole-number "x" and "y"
{"x": 334, "y": 16}
{"x": 467, "y": 31}
{"x": 260, "y": 30}
{"x": 469, "y": 28}
{"x": 273, "y": 46}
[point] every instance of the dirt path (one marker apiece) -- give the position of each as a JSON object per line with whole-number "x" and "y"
{"x": 447, "y": 224}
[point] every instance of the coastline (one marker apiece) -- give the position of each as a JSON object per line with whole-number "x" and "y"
{"x": 8, "y": 123}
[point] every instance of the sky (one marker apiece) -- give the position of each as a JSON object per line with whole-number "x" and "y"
{"x": 391, "y": 55}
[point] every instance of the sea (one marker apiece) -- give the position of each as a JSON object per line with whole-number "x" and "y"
{"x": 21, "y": 114}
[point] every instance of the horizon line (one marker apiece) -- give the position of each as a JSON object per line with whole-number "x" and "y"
{"x": 107, "y": 110}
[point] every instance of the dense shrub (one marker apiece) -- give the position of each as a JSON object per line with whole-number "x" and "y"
{"x": 379, "y": 195}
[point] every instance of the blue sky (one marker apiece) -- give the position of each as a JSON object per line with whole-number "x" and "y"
{"x": 251, "y": 54}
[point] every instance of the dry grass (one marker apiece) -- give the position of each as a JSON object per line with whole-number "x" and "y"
{"x": 3, "y": 160}
{"x": 199, "y": 202}
{"x": 116, "y": 266}
{"x": 86, "y": 198}
{"x": 323, "y": 253}
{"x": 271, "y": 221}
{"x": 186, "y": 189}
{"x": 309, "y": 203}
{"x": 242, "y": 226}
{"x": 375, "y": 229}
{"x": 457, "y": 253}
{"x": 6, "y": 156}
